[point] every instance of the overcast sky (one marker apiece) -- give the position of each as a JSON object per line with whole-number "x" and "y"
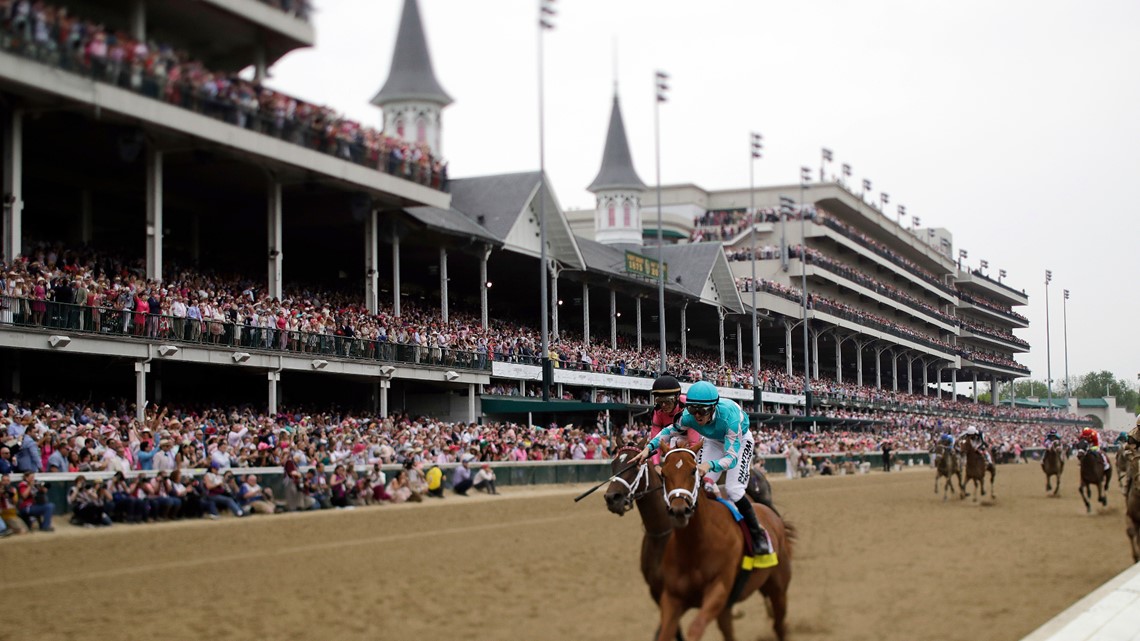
{"x": 1014, "y": 123}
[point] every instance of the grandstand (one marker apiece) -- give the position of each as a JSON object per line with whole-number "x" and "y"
{"x": 175, "y": 228}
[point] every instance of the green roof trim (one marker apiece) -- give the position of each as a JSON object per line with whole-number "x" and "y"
{"x": 665, "y": 233}
{"x": 1092, "y": 402}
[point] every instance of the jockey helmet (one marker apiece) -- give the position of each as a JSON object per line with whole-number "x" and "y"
{"x": 702, "y": 393}
{"x": 1052, "y": 434}
{"x": 1138, "y": 421}
{"x": 971, "y": 431}
{"x": 666, "y": 385}
{"x": 1088, "y": 433}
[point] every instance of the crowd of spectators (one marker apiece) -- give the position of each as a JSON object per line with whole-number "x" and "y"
{"x": 767, "y": 252}
{"x": 726, "y": 224}
{"x": 995, "y": 332}
{"x": 158, "y": 70}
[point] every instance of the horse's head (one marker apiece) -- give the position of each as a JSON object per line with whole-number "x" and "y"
{"x": 627, "y": 484}
{"x": 681, "y": 484}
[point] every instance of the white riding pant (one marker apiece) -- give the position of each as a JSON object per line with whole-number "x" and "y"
{"x": 736, "y": 480}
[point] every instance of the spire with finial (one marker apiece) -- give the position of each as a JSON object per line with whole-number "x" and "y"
{"x": 412, "y": 98}
{"x": 617, "y": 217}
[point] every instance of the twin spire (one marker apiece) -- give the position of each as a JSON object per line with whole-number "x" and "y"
{"x": 411, "y": 77}
{"x": 617, "y": 163}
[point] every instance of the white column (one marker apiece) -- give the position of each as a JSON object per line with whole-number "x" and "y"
{"x": 788, "y": 347}
{"x": 815, "y": 354}
{"x": 739, "y": 347}
{"x": 975, "y": 387}
{"x": 384, "y": 387}
{"x": 471, "y": 402}
{"x": 613, "y": 319}
{"x": 838, "y": 358}
{"x": 554, "y": 300}
{"x": 86, "y": 217}
{"x": 483, "y": 285}
{"x": 720, "y": 331}
{"x": 13, "y": 183}
{"x": 396, "y": 273}
{"x": 637, "y": 300}
{"x": 443, "y": 283}
{"x": 895, "y": 371}
{"x": 153, "y": 214}
{"x": 586, "y": 314}
{"x": 879, "y": 367}
{"x": 925, "y": 377}
{"x": 372, "y": 262}
{"x": 685, "y": 330}
{"x": 954, "y": 384}
{"x": 859, "y": 345}
{"x": 909, "y": 374}
{"x": 141, "y": 369}
{"x": 273, "y": 378}
{"x": 138, "y": 20}
{"x": 940, "y": 368}
{"x": 274, "y": 225}
{"x": 994, "y": 390}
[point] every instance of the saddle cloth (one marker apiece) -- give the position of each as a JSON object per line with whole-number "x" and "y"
{"x": 747, "y": 551}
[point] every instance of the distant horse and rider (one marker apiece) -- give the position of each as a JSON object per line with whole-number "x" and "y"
{"x": 947, "y": 466}
{"x": 972, "y": 446}
{"x": 1096, "y": 471}
{"x": 1053, "y": 462}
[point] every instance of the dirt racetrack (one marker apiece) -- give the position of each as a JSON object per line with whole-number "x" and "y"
{"x": 879, "y": 557}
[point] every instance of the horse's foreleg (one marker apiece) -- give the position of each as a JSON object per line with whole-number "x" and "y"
{"x": 1083, "y": 490}
{"x": 724, "y": 622}
{"x": 715, "y": 600}
{"x": 671, "y": 612}
{"x": 779, "y": 600}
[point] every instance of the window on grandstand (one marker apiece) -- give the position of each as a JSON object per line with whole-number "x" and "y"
{"x": 625, "y": 212}
{"x": 400, "y": 128}
{"x": 612, "y": 216}
{"x": 421, "y": 130}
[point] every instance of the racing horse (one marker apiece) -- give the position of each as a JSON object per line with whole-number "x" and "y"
{"x": 948, "y": 467}
{"x": 976, "y": 468}
{"x": 1053, "y": 463}
{"x": 704, "y": 555}
{"x": 1132, "y": 508}
{"x": 1093, "y": 473}
{"x": 1122, "y": 470}
{"x": 639, "y": 487}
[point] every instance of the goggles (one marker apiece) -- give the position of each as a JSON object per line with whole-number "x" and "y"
{"x": 660, "y": 401}
{"x": 701, "y": 411}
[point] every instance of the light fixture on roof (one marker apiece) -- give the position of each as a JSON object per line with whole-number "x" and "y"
{"x": 59, "y": 341}
{"x": 167, "y": 350}
{"x": 318, "y": 363}
{"x": 451, "y": 375}
{"x": 240, "y": 357}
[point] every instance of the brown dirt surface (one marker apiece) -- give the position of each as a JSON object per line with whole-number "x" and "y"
{"x": 879, "y": 557}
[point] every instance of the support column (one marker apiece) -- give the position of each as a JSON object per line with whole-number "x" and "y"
{"x": 954, "y": 384}
{"x": 483, "y": 289}
{"x": 554, "y": 300}
{"x": 138, "y": 20}
{"x": 994, "y": 391}
{"x": 975, "y": 388}
{"x": 471, "y": 402}
{"x": 13, "y": 161}
{"x": 586, "y": 314}
{"x": 879, "y": 364}
{"x": 939, "y": 370}
{"x": 275, "y": 224}
{"x": 260, "y": 68}
{"x": 925, "y": 377}
{"x": 740, "y": 348}
{"x": 788, "y": 346}
{"x": 273, "y": 378}
{"x": 910, "y": 374}
{"x": 637, "y": 300}
{"x": 86, "y": 217}
{"x": 141, "y": 370}
{"x": 859, "y": 345}
{"x": 838, "y": 358}
{"x": 720, "y": 331}
{"x": 895, "y": 371}
{"x": 613, "y": 319}
{"x": 685, "y": 330}
{"x": 372, "y": 262}
{"x": 396, "y": 273}
{"x": 384, "y": 387}
{"x": 443, "y": 283}
{"x": 153, "y": 214}
{"x": 814, "y": 354}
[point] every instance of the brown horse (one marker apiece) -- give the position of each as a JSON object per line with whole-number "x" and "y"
{"x": 1122, "y": 470}
{"x": 1132, "y": 511}
{"x": 948, "y": 467}
{"x": 976, "y": 468}
{"x": 640, "y": 486}
{"x": 1093, "y": 473}
{"x": 1053, "y": 463}
{"x": 704, "y": 555}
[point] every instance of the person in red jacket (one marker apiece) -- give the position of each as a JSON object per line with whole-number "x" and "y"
{"x": 668, "y": 403}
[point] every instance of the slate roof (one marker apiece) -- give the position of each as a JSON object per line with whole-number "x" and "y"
{"x": 411, "y": 76}
{"x": 497, "y": 199}
{"x": 617, "y": 164}
{"x": 451, "y": 221}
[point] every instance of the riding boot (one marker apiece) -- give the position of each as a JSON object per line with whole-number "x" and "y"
{"x": 764, "y": 556}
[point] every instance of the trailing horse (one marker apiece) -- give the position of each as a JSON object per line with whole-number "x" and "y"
{"x": 1093, "y": 473}
{"x": 948, "y": 467}
{"x": 976, "y": 468}
{"x": 703, "y": 558}
{"x": 639, "y": 487}
{"x": 1053, "y": 463}
{"x": 1132, "y": 508}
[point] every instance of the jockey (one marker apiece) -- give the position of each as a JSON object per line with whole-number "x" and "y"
{"x": 975, "y": 439}
{"x": 668, "y": 404}
{"x": 1052, "y": 440}
{"x": 727, "y": 448}
{"x": 1132, "y": 451}
{"x": 1092, "y": 437}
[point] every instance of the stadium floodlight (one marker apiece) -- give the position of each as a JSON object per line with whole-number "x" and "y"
{"x": 1001, "y": 274}
{"x": 546, "y": 15}
{"x": 983, "y": 264}
{"x": 825, "y": 157}
{"x": 1065, "y": 318}
{"x": 661, "y": 80}
{"x": 902, "y": 214}
{"x": 1048, "y": 347}
{"x": 916, "y": 222}
{"x": 846, "y": 170}
{"x": 884, "y": 198}
{"x": 962, "y": 254}
{"x": 787, "y": 208}
{"x": 805, "y": 177}
{"x": 757, "y": 144}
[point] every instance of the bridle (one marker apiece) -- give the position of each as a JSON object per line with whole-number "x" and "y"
{"x": 632, "y": 494}
{"x": 690, "y": 496}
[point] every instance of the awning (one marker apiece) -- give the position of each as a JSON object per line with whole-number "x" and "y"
{"x": 1092, "y": 402}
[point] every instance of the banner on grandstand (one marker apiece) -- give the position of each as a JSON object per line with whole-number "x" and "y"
{"x": 644, "y": 266}
{"x": 782, "y": 399}
{"x": 515, "y": 370}
{"x": 598, "y": 379}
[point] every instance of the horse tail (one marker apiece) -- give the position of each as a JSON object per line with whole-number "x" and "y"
{"x": 791, "y": 535}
